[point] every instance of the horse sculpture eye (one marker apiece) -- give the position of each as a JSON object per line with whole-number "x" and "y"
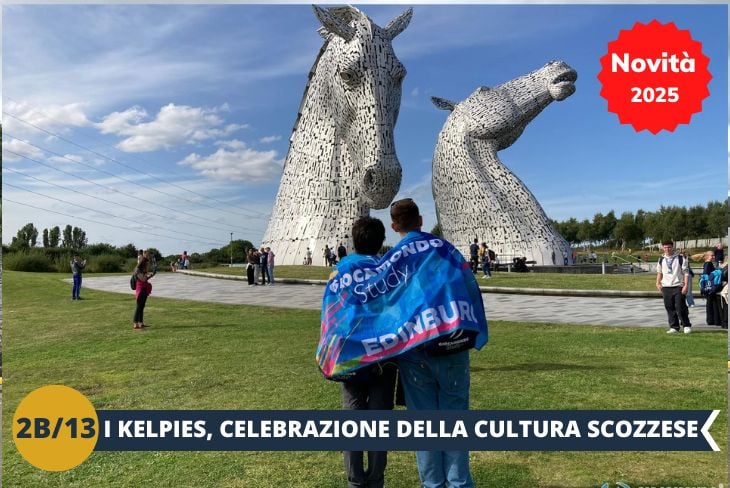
{"x": 349, "y": 76}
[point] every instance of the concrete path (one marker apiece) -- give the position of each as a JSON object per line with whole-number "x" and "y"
{"x": 643, "y": 312}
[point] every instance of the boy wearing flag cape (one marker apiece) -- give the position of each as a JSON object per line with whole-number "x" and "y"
{"x": 435, "y": 375}
{"x": 371, "y": 387}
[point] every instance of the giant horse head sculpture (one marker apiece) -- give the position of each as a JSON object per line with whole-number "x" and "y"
{"x": 366, "y": 92}
{"x": 476, "y": 195}
{"x": 341, "y": 160}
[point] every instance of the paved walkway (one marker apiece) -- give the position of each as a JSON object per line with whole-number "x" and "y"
{"x": 643, "y": 312}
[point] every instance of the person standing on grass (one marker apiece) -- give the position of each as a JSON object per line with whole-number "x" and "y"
{"x": 484, "y": 255}
{"x": 77, "y": 267}
{"x": 474, "y": 255}
{"x": 671, "y": 280}
{"x": 142, "y": 290}
{"x": 373, "y": 387}
{"x": 435, "y": 380}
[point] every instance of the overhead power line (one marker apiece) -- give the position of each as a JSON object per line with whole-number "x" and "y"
{"x": 101, "y": 223}
{"x": 144, "y": 212}
{"x": 176, "y": 211}
{"x": 30, "y": 124}
{"x": 114, "y": 190}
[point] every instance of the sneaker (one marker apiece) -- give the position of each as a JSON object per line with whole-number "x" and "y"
{"x": 687, "y": 330}
{"x": 672, "y": 331}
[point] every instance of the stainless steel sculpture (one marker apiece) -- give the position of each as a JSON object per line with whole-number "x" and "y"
{"x": 341, "y": 160}
{"x": 476, "y": 195}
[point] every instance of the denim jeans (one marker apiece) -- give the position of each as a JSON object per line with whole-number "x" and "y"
{"x": 76, "y": 290}
{"x": 438, "y": 383}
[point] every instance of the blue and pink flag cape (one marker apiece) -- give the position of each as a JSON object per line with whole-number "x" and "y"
{"x": 374, "y": 309}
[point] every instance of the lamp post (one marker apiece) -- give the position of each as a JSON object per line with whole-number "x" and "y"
{"x": 231, "y": 246}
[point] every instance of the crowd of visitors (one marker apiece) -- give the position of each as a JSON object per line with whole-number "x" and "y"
{"x": 260, "y": 266}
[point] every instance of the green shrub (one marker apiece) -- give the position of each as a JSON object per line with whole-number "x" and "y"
{"x": 106, "y": 263}
{"x": 36, "y": 263}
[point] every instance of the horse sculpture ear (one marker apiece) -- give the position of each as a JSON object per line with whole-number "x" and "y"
{"x": 443, "y": 104}
{"x": 399, "y": 24}
{"x": 334, "y": 24}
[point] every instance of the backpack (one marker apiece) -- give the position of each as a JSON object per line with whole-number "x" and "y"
{"x": 133, "y": 281}
{"x": 710, "y": 283}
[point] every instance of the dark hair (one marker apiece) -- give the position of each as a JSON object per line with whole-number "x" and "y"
{"x": 668, "y": 243}
{"x": 405, "y": 215}
{"x": 368, "y": 234}
{"x": 143, "y": 264}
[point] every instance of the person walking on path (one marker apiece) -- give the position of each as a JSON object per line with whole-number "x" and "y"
{"x": 264, "y": 265}
{"x": 251, "y": 263}
{"x": 671, "y": 280}
{"x": 142, "y": 290}
{"x": 77, "y": 267}
{"x": 270, "y": 265}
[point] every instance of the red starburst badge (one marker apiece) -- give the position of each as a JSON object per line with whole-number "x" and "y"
{"x": 654, "y": 76}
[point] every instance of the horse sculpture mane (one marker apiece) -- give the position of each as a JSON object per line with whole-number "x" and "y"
{"x": 341, "y": 160}
{"x": 479, "y": 197}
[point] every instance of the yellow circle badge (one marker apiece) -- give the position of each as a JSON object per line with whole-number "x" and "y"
{"x": 55, "y": 428}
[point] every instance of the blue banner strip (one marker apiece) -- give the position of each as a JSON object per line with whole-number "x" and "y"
{"x": 473, "y": 430}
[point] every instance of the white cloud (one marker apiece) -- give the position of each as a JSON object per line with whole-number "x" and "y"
{"x": 49, "y": 117}
{"x": 236, "y": 161}
{"x": 415, "y": 92}
{"x": 19, "y": 148}
{"x": 173, "y": 125}
{"x": 70, "y": 159}
{"x": 269, "y": 139}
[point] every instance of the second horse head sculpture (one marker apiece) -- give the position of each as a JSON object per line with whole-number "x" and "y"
{"x": 476, "y": 195}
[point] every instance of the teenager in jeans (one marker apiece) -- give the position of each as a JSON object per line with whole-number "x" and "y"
{"x": 372, "y": 388}
{"x": 433, "y": 382}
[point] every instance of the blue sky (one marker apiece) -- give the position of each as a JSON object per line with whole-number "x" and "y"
{"x": 182, "y": 114}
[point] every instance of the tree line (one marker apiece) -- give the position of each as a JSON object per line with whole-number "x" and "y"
{"x": 57, "y": 247}
{"x": 71, "y": 238}
{"x": 636, "y": 229}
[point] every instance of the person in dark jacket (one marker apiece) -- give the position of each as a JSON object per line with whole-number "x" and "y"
{"x": 251, "y": 263}
{"x": 77, "y": 267}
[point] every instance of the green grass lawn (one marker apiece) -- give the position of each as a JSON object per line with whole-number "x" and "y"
{"x": 209, "y": 356}
{"x": 562, "y": 281}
